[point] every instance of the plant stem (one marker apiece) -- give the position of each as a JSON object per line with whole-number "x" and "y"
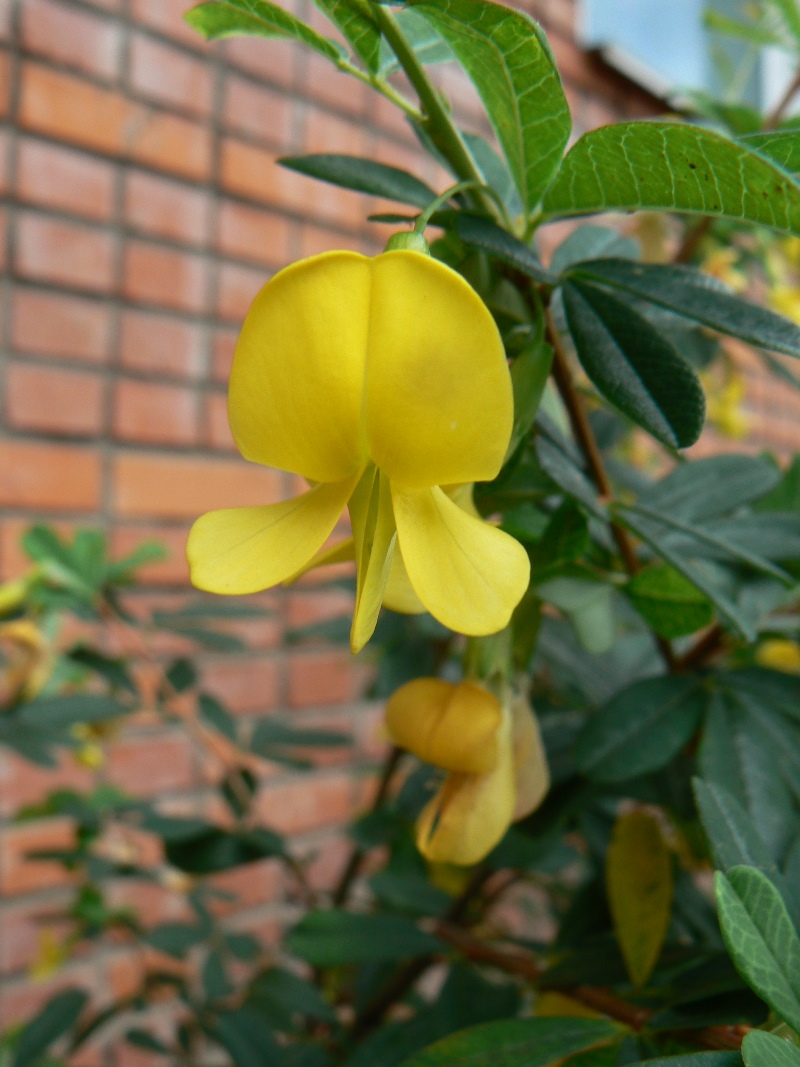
{"x": 775, "y": 117}
{"x": 436, "y": 119}
{"x": 383, "y": 87}
{"x": 350, "y": 872}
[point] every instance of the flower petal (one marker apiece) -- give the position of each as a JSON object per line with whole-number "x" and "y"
{"x": 244, "y": 550}
{"x": 439, "y": 406}
{"x": 374, "y": 535}
{"x": 451, "y": 726}
{"x": 471, "y": 812}
{"x": 468, "y": 574}
{"x": 297, "y": 381}
{"x": 399, "y": 594}
{"x": 530, "y": 759}
{"x": 341, "y": 552}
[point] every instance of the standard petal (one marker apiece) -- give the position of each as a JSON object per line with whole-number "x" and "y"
{"x": 341, "y": 552}
{"x": 244, "y": 550}
{"x": 468, "y": 574}
{"x": 439, "y": 406}
{"x": 530, "y": 760}
{"x": 451, "y": 726}
{"x": 297, "y": 381}
{"x": 471, "y": 812}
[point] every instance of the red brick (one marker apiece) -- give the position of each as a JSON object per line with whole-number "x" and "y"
{"x": 244, "y": 686}
{"x": 322, "y": 82}
{"x": 159, "y": 344}
{"x": 166, "y": 208}
{"x": 171, "y": 571}
{"x": 21, "y": 928}
{"x": 3, "y": 237}
{"x": 327, "y": 133}
{"x": 23, "y": 783}
{"x": 4, "y": 143}
{"x": 171, "y": 143}
{"x": 18, "y": 873}
{"x": 218, "y": 431}
{"x": 222, "y": 354}
{"x": 59, "y": 105}
{"x": 248, "y": 170}
{"x": 5, "y": 83}
{"x": 316, "y": 239}
{"x": 236, "y": 289}
{"x": 317, "y": 678}
{"x": 296, "y": 807}
{"x": 258, "y": 112}
{"x": 166, "y": 16}
{"x": 149, "y": 765}
{"x": 246, "y": 233}
{"x": 161, "y": 276}
{"x": 156, "y": 414}
{"x": 273, "y": 60}
{"x": 253, "y": 885}
{"x": 64, "y": 253}
{"x": 73, "y": 37}
{"x": 170, "y": 487}
{"x": 42, "y": 476}
{"x": 67, "y": 326}
{"x": 5, "y": 19}
{"x": 59, "y": 177}
{"x": 168, "y": 76}
{"x": 21, "y": 1001}
{"x": 54, "y": 401}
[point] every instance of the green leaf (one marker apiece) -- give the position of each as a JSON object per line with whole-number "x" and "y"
{"x": 499, "y": 244}
{"x": 698, "y": 297}
{"x": 634, "y": 366}
{"x": 761, "y": 939}
{"x": 640, "y": 729}
{"x": 668, "y": 602}
{"x": 529, "y": 373}
{"x": 333, "y": 938}
{"x": 590, "y": 242}
{"x": 494, "y": 169}
{"x": 144, "y": 1039}
{"x": 640, "y": 885}
{"x": 213, "y": 714}
{"x": 781, "y": 145}
{"x": 768, "y": 1050}
{"x": 751, "y": 32}
{"x": 587, "y": 605}
{"x": 517, "y": 1043}
{"x": 653, "y": 535}
{"x": 364, "y": 176}
{"x": 509, "y": 61}
{"x": 425, "y": 42}
{"x": 247, "y": 1037}
{"x": 706, "y": 488}
{"x": 354, "y": 19}
{"x": 58, "y": 1015}
{"x": 232, "y": 18}
{"x": 672, "y": 167}
{"x": 694, "y": 1059}
{"x": 282, "y": 998}
{"x": 59, "y": 713}
{"x": 176, "y": 939}
{"x": 181, "y": 674}
{"x": 219, "y": 850}
{"x": 114, "y": 670}
{"x": 788, "y": 15}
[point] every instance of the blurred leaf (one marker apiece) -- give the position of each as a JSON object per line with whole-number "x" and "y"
{"x": 284, "y": 999}
{"x": 216, "y": 983}
{"x": 640, "y": 886}
{"x": 529, "y": 374}
{"x": 144, "y": 1039}
{"x": 761, "y": 938}
{"x": 354, "y": 19}
{"x": 674, "y": 167}
{"x": 220, "y": 850}
{"x": 246, "y": 1037}
{"x": 707, "y": 488}
{"x": 58, "y": 1016}
{"x": 214, "y": 714}
{"x": 176, "y": 939}
{"x": 781, "y": 145}
{"x": 517, "y": 1043}
{"x": 668, "y": 602}
{"x": 181, "y": 674}
{"x": 640, "y": 729}
{"x": 59, "y": 713}
{"x": 426, "y": 43}
{"x": 333, "y": 938}
{"x": 113, "y": 670}
{"x": 768, "y": 1050}
{"x": 592, "y": 242}
{"x": 364, "y": 176}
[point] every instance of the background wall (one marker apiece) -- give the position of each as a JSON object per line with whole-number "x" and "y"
{"x": 141, "y": 211}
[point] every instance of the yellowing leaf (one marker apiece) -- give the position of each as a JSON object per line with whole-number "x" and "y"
{"x": 639, "y": 881}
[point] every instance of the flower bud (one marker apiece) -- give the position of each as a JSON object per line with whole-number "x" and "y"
{"x": 408, "y": 241}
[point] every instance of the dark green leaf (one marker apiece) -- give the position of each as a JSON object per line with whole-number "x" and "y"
{"x": 144, "y": 1039}
{"x": 673, "y": 167}
{"x": 634, "y": 366}
{"x": 517, "y": 1043}
{"x": 181, "y": 674}
{"x": 213, "y": 714}
{"x": 247, "y": 1037}
{"x": 271, "y": 736}
{"x": 529, "y": 373}
{"x": 332, "y": 938}
{"x": 485, "y": 235}
{"x": 760, "y": 1049}
{"x": 706, "y": 488}
{"x": 696, "y": 296}
{"x": 668, "y": 602}
{"x": 781, "y": 145}
{"x": 216, "y": 983}
{"x": 58, "y": 1016}
{"x": 494, "y": 169}
{"x": 592, "y": 242}
{"x": 640, "y": 729}
{"x": 232, "y": 18}
{"x": 176, "y": 939}
{"x": 220, "y": 850}
{"x": 283, "y": 998}
{"x": 114, "y": 670}
{"x": 363, "y": 175}
{"x": 242, "y": 946}
{"x": 761, "y": 939}
{"x": 509, "y": 61}
{"x": 568, "y": 476}
{"x": 694, "y": 1059}
{"x": 59, "y": 713}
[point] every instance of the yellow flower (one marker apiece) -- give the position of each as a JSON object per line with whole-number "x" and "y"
{"x": 493, "y": 751}
{"x": 383, "y": 382}
{"x": 722, "y": 264}
{"x": 785, "y": 299}
{"x": 780, "y": 654}
{"x": 51, "y": 955}
{"x": 725, "y": 406}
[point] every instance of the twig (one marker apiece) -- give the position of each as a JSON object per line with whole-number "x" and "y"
{"x": 350, "y": 872}
{"x": 775, "y": 116}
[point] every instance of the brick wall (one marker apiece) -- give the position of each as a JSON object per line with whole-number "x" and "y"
{"x": 141, "y": 211}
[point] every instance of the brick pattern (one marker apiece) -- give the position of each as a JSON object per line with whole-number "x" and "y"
{"x": 143, "y": 209}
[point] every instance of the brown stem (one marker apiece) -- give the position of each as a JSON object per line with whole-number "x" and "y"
{"x": 709, "y": 644}
{"x": 584, "y": 435}
{"x": 773, "y": 120}
{"x": 353, "y": 865}
{"x": 692, "y": 240}
{"x": 516, "y": 961}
